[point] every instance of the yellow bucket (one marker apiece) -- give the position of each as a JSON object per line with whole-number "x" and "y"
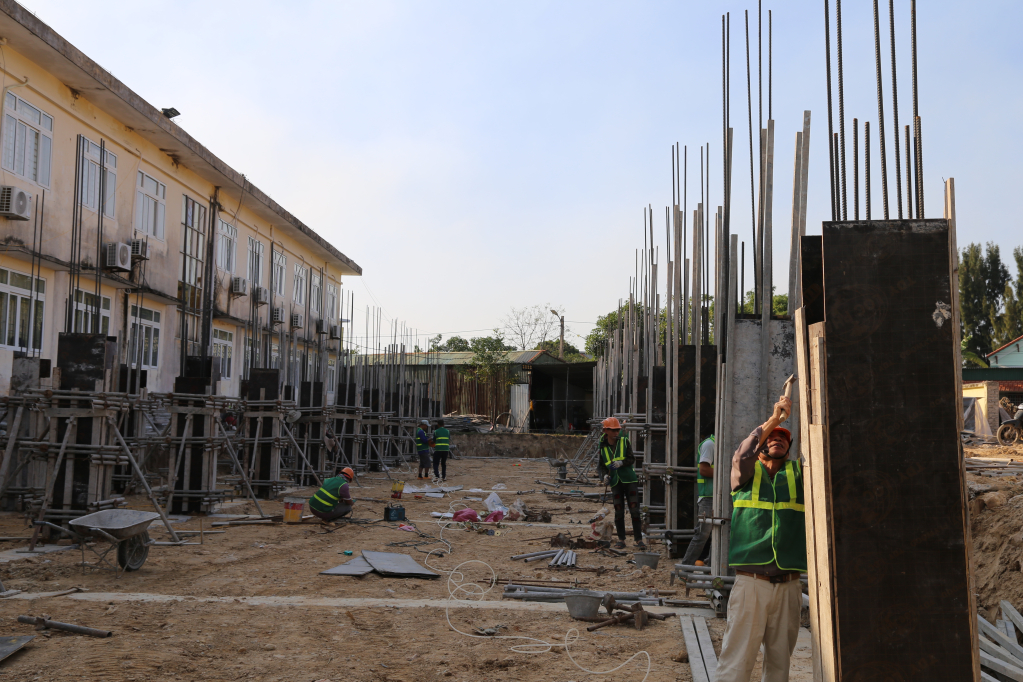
{"x": 397, "y": 487}
{"x": 293, "y": 507}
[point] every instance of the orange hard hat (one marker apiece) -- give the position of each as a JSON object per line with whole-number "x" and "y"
{"x": 611, "y": 423}
{"x": 348, "y": 473}
{"x": 788, "y": 434}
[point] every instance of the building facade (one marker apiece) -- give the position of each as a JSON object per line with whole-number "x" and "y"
{"x": 117, "y": 221}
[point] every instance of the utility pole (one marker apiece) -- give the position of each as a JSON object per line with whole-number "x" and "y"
{"x": 561, "y": 348}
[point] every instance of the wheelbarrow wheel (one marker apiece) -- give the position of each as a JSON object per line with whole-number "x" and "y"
{"x": 132, "y": 553}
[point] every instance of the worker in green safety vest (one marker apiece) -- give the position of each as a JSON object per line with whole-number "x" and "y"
{"x": 441, "y": 448}
{"x": 332, "y": 500}
{"x": 616, "y": 464}
{"x": 705, "y": 503}
{"x": 767, "y": 548}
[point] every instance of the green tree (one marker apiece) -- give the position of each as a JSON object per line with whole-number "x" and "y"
{"x": 969, "y": 357}
{"x": 1009, "y": 325}
{"x": 779, "y": 304}
{"x": 982, "y": 283}
{"x": 572, "y": 354}
{"x": 453, "y": 344}
{"x": 486, "y": 366}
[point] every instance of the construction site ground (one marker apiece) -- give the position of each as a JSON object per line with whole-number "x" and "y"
{"x": 249, "y": 603}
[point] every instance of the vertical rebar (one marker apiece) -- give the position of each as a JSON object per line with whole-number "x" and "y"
{"x": 880, "y": 111}
{"x": 909, "y": 177}
{"x": 841, "y": 108}
{"x": 895, "y": 109}
{"x": 752, "y": 193}
{"x": 769, "y": 116}
{"x": 856, "y": 169}
{"x": 831, "y": 151}
{"x": 866, "y": 167}
{"x": 919, "y": 168}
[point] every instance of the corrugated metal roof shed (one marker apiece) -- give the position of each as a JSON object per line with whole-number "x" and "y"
{"x": 512, "y": 357}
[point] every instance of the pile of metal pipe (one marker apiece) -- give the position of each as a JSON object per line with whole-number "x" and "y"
{"x": 557, "y": 594}
{"x": 536, "y": 556}
{"x": 564, "y": 558}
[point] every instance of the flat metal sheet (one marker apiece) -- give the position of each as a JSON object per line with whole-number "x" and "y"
{"x": 397, "y": 565}
{"x": 8, "y": 645}
{"x": 357, "y": 566}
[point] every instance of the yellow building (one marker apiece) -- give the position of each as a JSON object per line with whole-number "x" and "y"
{"x": 194, "y": 259}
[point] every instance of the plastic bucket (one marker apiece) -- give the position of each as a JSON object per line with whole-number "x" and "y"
{"x": 583, "y": 604}
{"x": 293, "y": 507}
{"x": 646, "y": 559}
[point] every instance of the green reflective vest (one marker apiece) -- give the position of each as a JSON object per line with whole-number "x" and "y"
{"x": 624, "y": 474}
{"x": 328, "y": 497}
{"x": 441, "y": 440}
{"x": 704, "y": 486}
{"x": 422, "y": 441}
{"x": 767, "y": 520}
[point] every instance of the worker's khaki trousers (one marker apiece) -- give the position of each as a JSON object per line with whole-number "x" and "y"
{"x": 759, "y": 611}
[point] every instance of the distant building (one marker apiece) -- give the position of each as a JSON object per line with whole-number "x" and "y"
{"x": 1008, "y": 355}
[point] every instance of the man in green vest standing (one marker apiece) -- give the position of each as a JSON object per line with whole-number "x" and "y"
{"x": 333, "y": 500}
{"x": 616, "y": 464}
{"x": 767, "y": 548}
{"x": 705, "y": 504}
{"x": 441, "y": 447}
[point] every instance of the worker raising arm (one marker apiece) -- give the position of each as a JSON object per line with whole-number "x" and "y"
{"x": 768, "y": 550}
{"x": 616, "y": 465}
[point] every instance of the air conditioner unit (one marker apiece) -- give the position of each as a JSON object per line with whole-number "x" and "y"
{"x": 321, "y": 326}
{"x": 117, "y": 256}
{"x": 335, "y": 332}
{"x": 139, "y": 249}
{"x": 239, "y": 286}
{"x": 15, "y": 203}
{"x": 278, "y": 315}
{"x": 296, "y": 320}
{"x": 262, "y": 295}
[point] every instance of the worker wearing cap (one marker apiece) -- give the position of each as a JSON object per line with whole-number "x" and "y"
{"x": 616, "y": 464}
{"x": 767, "y": 548}
{"x": 332, "y": 500}
{"x": 423, "y": 443}
{"x": 705, "y": 504}
{"x": 441, "y": 447}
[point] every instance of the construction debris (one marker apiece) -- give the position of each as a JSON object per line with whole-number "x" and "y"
{"x": 44, "y": 623}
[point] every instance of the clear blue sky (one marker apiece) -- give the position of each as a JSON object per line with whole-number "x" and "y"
{"x": 475, "y": 156}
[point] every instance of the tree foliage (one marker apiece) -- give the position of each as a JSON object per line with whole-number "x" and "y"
{"x": 983, "y": 283}
{"x": 531, "y": 326}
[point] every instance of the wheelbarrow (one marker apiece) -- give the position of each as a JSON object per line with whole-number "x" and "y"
{"x": 124, "y": 529}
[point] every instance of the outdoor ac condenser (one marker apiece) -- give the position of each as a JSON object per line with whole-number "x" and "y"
{"x": 15, "y": 203}
{"x": 117, "y": 256}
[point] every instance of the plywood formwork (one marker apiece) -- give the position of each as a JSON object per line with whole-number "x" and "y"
{"x": 887, "y": 527}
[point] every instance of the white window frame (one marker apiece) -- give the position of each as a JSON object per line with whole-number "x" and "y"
{"x": 332, "y": 309}
{"x": 20, "y": 129}
{"x": 315, "y": 291}
{"x": 254, "y": 273}
{"x": 149, "y": 322}
{"x": 227, "y": 246}
{"x": 14, "y": 319}
{"x": 301, "y": 277}
{"x": 331, "y": 374}
{"x": 84, "y": 307}
{"x": 150, "y": 205}
{"x": 280, "y": 272}
{"x": 223, "y": 348}
{"x": 89, "y": 182}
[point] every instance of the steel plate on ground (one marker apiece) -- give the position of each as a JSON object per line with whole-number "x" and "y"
{"x": 397, "y": 565}
{"x": 357, "y": 566}
{"x": 8, "y": 645}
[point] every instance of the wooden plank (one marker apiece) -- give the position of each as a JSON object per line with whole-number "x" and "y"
{"x": 710, "y": 660}
{"x": 999, "y": 638}
{"x": 696, "y": 664}
{"x": 992, "y": 663}
{"x": 993, "y": 649}
{"x": 823, "y": 553}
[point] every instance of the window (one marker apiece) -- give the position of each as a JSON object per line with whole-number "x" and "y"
{"x": 301, "y": 274}
{"x": 145, "y": 337}
{"x": 275, "y": 356}
{"x": 223, "y": 348}
{"x": 331, "y": 312}
{"x": 150, "y": 205}
{"x": 314, "y": 292}
{"x": 227, "y": 246}
{"x": 28, "y": 139}
{"x": 193, "y": 252}
{"x": 331, "y": 374}
{"x": 20, "y": 316}
{"x": 255, "y": 271}
{"x": 85, "y": 313}
{"x": 280, "y": 272}
{"x": 90, "y": 180}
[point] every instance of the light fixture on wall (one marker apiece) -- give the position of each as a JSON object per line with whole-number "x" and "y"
{"x": 170, "y": 112}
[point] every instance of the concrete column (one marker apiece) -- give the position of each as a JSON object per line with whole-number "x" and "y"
{"x": 991, "y": 405}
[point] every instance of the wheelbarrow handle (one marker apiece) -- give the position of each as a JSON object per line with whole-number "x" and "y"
{"x": 73, "y": 534}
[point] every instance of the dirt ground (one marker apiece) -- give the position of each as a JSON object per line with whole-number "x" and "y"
{"x": 249, "y": 604}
